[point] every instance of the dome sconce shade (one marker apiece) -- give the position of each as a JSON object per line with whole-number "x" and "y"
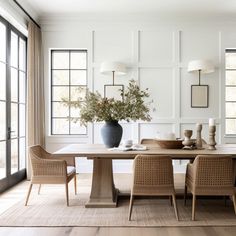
{"x": 202, "y": 66}
{"x": 200, "y": 93}
{"x": 114, "y": 68}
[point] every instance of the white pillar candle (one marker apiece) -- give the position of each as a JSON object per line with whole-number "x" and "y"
{"x": 198, "y": 124}
{"x": 211, "y": 121}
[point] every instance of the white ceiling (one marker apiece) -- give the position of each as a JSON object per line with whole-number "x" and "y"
{"x": 195, "y": 8}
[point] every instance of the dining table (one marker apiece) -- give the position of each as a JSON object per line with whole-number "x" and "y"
{"x": 103, "y": 191}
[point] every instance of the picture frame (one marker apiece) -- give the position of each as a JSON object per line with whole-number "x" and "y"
{"x": 199, "y": 96}
{"x": 113, "y": 91}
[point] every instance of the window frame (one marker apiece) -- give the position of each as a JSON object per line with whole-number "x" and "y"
{"x": 69, "y": 85}
{"x": 13, "y": 178}
{"x": 229, "y": 50}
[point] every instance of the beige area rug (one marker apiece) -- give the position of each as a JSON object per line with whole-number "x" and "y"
{"x": 49, "y": 209}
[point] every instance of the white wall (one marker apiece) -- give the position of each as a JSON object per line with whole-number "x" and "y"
{"x": 157, "y": 54}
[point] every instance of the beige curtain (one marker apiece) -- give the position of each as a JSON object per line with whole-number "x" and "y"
{"x": 35, "y": 89}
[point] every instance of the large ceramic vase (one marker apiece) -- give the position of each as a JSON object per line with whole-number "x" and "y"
{"x": 111, "y": 134}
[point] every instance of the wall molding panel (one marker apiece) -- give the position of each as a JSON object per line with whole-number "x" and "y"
{"x": 156, "y": 55}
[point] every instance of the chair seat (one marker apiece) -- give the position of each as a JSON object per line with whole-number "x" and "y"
{"x": 70, "y": 170}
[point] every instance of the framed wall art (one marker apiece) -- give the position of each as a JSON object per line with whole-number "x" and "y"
{"x": 199, "y": 96}
{"x": 113, "y": 91}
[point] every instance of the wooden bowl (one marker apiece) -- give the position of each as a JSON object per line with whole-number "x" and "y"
{"x": 170, "y": 144}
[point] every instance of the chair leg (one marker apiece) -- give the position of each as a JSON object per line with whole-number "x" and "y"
{"x": 75, "y": 184}
{"x": 170, "y": 198}
{"x": 193, "y": 206}
{"x": 185, "y": 194}
{"x": 175, "y": 207}
{"x": 130, "y": 206}
{"x": 225, "y": 200}
{"x": 28, "y": 194}
{"x": 234, "y": 202}
{"x": 67, "y": 194}
{"x": 39, "y": 189}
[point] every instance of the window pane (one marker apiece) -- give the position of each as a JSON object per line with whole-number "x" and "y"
{"x": 22, "y": 55}
{"x": 59, "y": 110}
{"x": 14, "y": 85}
{"x": 77, "y": 129}
{"x": 60, "y": 60}
{"x": 2, "y": 81}
{"x": 2, "y": 42}
{"x": 14, "y": 120}
{"x": 14, "y": 50}
{"x": 22, "y": 85}
{"x": 22, "y": 153}
{"x": 2, "y": 121}
{"x": 78, "y": 60}
{"x": 77, "y": 93}
{"x": 14, "y": 156}
{"x": 69, "y": 81}
{"x": 60, "y": 126}
{"x": 59, "y": 93}
{"x": 230, "y": 126}
{"x": 2, "y": 160}
{"x": 74, "y": 112}
{"x": 230, "y": 77}
{"x": 60, "y": 77}
{"x": 78, "y": 77}
{"x": 22, "y": 120}
{"x": 230, "y": 94}
{"x": 230, "y": 109}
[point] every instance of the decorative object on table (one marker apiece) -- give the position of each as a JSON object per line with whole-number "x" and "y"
{"x": 199, "y": 136}
{"x": 188, "y": 143}
{"x": 127, "y": 143}
{"x": 200, "y": 93}
{"x": 212, "y": 131}
{"x": 108, "y": 130}
{"x": 166, "y": 136}
{"x": 170, "y": 144}
{"x": 135, "y": 147}
{"x": 113, "y": 90}
{"x": 95, "y": 108}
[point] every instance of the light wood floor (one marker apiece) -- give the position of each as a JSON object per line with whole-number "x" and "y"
{"x": 18, "y": 192}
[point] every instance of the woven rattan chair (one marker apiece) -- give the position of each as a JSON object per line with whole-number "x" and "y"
{"x": 152, "y": 176}
{"x": 210, "y": 175}
{"x": 49, "y": 170}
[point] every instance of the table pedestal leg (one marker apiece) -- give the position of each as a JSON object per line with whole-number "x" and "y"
{"x": 103, "y": 191}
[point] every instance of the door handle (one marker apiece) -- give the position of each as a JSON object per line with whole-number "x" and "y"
{"x": 9, "y": 131}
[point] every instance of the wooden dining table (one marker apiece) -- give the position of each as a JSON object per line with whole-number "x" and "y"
{"x": 103, "y": 190}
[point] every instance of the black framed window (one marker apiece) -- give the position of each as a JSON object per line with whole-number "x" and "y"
{"x": 230, "y": 92}
{"x": 68, "y": 80}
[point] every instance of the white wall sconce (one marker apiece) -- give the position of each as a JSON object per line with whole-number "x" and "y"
{"x": 116, "y": 68}
{"x": 200, "y": 93}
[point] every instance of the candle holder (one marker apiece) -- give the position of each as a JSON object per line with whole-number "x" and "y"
{"x": 187, "y": 141}
{"x": 212, "y": 142}
{"x": 199, "y": 136}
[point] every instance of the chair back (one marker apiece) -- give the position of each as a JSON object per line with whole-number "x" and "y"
{"x": 42, "y": 165}
{"x": 153, "y": 170}
{"x": 213, "y": 170}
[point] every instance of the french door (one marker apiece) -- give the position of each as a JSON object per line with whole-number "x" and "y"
{"x": 12, "y": 105}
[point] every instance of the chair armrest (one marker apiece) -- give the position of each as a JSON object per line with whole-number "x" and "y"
{"x": 49, "y": 167}
{"x": 70, "y": 160}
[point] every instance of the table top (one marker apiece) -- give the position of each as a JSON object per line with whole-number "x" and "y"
{"x": 92, "y": 151}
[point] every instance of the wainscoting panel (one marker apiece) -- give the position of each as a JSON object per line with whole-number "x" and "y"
{"x": 156, "y": 47}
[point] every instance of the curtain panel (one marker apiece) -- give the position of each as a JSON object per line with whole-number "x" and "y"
{"x": 35, "y": 91}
